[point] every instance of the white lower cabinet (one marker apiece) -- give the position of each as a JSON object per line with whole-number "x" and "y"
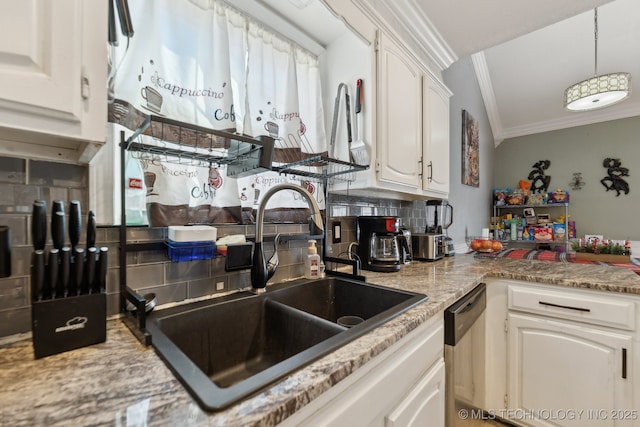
{"x": 423, "y": 405}
{"x": 572, "y": 357}
{"x": 563, "y": 374}
{"x": 403, "y": 386}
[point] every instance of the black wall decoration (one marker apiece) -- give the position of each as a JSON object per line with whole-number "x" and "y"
{"x": 615, "y": 172}
{"x": 540, "y": 181}
{"x": 577, "y": 182}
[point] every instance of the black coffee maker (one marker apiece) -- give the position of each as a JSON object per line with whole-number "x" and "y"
{"x": 381, "y": 243}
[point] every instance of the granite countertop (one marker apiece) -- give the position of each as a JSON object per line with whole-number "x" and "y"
{"x": 121, "y": 382}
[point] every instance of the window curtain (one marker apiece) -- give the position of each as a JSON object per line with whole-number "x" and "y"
{"x": 205, "y": 63}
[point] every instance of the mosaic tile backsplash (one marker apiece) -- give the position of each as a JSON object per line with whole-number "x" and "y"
{"x": 23, "y": 181}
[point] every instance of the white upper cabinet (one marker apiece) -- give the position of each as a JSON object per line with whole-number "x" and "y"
{"x": 406, "y": 121}
{"x": 53, "y": 69}
{"x": 399, "y": 116}
{"x": 435, "y": 148}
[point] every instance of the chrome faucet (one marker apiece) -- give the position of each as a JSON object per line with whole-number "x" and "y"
{"x": 262, "y": 270}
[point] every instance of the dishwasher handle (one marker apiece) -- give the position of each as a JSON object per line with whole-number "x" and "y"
{"x": 463, "y": 314}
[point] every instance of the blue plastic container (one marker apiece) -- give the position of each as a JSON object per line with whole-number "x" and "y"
{"x": 190, "y": 251}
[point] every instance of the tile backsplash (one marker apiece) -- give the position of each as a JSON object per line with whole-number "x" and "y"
{"x": 23, "y": 181}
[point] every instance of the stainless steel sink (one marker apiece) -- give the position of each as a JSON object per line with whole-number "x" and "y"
{"x": 226, "y": 349}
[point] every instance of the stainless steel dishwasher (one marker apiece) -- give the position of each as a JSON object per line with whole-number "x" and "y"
{"x": 464, "y": 357}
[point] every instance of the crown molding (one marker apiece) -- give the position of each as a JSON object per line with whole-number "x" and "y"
{"x": 416, "y": 26}
{"x": 575, "y": 119}
{"x": 488, "y": 96}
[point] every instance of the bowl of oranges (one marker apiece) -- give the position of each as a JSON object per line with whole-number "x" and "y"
{"x": 484, "y": 244}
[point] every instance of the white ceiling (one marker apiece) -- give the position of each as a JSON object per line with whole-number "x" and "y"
{"x": 525, "y": 52}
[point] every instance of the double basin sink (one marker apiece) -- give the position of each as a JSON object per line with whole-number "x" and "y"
{"x": 225, "y": 349}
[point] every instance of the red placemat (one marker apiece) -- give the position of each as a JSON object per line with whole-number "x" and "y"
{"x": 542, "y": 255}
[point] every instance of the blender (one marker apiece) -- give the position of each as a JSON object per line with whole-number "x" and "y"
{"x": 439, "y": 219}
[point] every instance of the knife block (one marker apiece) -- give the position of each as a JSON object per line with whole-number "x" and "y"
{"x": 65, "y": 324}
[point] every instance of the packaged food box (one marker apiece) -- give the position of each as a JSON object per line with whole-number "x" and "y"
{"x": 559, "y": 196}
{"x": 499, "y": 197}
{"x": 537, "y": 199}
{"x": 515, "y": 199}
{"x": 543, "y": 233}
{"x": 559, "y": 232}
{"x": 572, "y": 229}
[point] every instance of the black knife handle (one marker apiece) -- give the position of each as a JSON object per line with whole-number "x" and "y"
{"x": 37, "y": 274}
{"x": 101, "y": 282}
{"x": 65, "y": 272}
{"x": 58, "y": 229}
{"x": 75, "y": 222}
{"x": 52, "y": 274}
{"x": 57, "y": 206}
{"x": 78, "y": 271}
{"x": 89, "y": 271}
{"x": 91, "y": 230}
{"x": 39, "y": 224}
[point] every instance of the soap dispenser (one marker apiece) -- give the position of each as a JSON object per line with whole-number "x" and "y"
{"x": 312, "y": 262}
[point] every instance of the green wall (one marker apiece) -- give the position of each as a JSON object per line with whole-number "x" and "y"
{"x": 582, "y": 149}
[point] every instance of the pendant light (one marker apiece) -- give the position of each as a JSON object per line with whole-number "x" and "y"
{"x": 599, "y": 91}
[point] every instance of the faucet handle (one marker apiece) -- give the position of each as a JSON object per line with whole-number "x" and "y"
{"x": 272, "y": 263}
{"x": 316, "y": 227}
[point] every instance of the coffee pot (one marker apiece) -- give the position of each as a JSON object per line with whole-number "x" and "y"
{"x": 382, "y": 245}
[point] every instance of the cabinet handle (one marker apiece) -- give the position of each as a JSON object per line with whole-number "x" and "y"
{"x": 568, "y": 307}
{"x": 420, "y": 167}
{"x": 430, "y": 171}
{"x": 624, "y": 363}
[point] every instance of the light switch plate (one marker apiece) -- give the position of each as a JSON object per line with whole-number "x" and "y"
{"x": 337, "y": 231}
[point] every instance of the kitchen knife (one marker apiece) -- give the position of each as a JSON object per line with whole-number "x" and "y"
{"x": 75, "y": 222}
{"x": 37, "y": 274}
{"x": 78, "y": 272}
{"x": 91, "y": 230}
{"x": 52, "y": 274}
{"x": 65, "y": 272}
{"x": 89, "y": 271}
{"x": 101, "y": 279}
{"x": 58, "y": 229}
{"x": 39, "y": 224}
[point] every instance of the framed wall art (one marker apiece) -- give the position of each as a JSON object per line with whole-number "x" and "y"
{"x": 470, "y": 150}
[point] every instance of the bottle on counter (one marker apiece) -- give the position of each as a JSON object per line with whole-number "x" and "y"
{"x": 312, "y": 262}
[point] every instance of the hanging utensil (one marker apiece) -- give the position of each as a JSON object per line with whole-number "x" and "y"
{"x": 334, "y": 122}
{"x": 359, "y": 153}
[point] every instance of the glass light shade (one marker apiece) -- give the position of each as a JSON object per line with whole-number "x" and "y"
{"x": 597, "y": 92}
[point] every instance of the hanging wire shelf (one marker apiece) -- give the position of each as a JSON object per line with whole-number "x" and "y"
{"x": 166, "y": 140}
{"x": 162, "y": 139}
{"x": 320, "y": 167}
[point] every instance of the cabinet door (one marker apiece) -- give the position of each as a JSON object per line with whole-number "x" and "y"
{"x": 424, "y": 405}
{"x": 555, "y": 367}
{"x": 53, "y": 69}
{"x": 399, "y": 143}
{"x": 435, "y": 163}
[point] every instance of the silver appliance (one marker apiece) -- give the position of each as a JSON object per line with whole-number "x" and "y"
{"x": 439, "y": 219}
{"x": 407, "y": 247}
{"x": 428, "y": 246}
{"x": 464, "y": 357}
